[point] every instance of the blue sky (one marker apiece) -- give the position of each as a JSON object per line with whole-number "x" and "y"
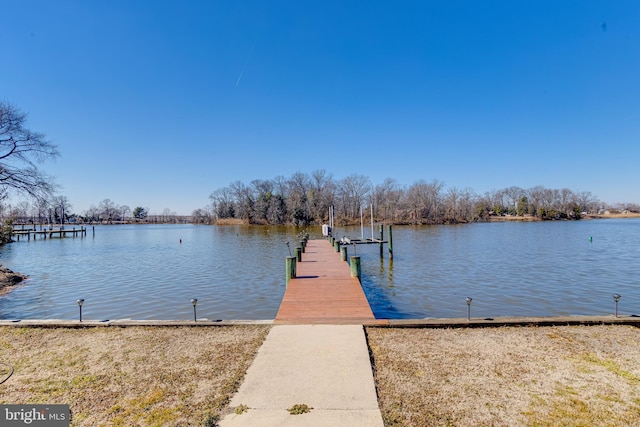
{"x": 159, "y": 103}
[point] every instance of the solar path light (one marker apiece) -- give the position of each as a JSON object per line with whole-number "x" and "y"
{"x": 194, "y": 301}
{"x": 80, "y": 302}
{"x": 616, "y": 298}
{"x": 469, "y": 299}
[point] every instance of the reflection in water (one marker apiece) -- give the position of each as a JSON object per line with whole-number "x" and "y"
{"x": 238, "y": 272}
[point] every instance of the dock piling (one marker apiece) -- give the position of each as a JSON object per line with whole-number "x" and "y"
{"x": 389, "y": 243}
{"x": 355, "y": 267}
{"x": 291, "y": 268}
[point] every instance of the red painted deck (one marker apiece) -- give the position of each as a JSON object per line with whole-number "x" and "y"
{"x": 324, "y": 291}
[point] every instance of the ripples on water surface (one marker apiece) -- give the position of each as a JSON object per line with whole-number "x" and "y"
{"x": 144, "y": 272}
{"x": 509, "y": 269}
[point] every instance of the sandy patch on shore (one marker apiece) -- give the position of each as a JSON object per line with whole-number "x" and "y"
{"x": 512, "y": 376}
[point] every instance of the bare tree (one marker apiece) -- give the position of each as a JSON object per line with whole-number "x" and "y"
{"x": 200, "y": 216}
{"x": 587, "y": 201}
{"x": 222, "y": 203}
{"x": 386, "y": 197}
{"x": 423, "y": 200}
{"x": 262, "y": 195}
{"x": 297, "y": 200}
{"x": 125, "y": 212}
{"x": 243, "y": 200}
{"x": 353, "y": 191}
{"x": 20, "y": 151}
{"x": 21, "y": 211}
{"x": 168, "y": 215}
{"x": 321, "y": 194}
{"x": 108, "y": 210}
{"x": 61, "y": 207}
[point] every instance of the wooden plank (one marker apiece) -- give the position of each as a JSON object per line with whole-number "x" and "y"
{"x": 324, "y": 291}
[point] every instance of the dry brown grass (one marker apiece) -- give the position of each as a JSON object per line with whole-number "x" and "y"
{"x": 134, "y": 376}
{"x": 546, "y": 376}
{"x": 165, "y": 376}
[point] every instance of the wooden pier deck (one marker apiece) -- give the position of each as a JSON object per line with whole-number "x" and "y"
{"x": 50, "y": 232}
{"x": 323, "y": 291}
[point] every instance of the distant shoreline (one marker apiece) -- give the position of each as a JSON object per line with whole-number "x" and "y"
{"x": 611, "y": 216}
{"x": 496, "y": 218}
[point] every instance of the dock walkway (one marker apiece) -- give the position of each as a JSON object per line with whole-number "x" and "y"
{"x": 324, "y": 291}
{"x": 316, "y": 354}
{"x": 325, "y": 367}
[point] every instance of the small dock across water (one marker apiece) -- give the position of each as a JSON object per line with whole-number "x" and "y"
{"x": 323, "y": 291}
{"x": 49, "y": 232}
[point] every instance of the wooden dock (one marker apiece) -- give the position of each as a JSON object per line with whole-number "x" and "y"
{"x": 323, "y": 291}
{"x": 49, "y": 232}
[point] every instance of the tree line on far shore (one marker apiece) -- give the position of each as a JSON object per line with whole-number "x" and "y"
{"x": 305, "y": 199}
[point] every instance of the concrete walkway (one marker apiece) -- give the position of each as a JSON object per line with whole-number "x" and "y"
{"x": 325, "y": 367}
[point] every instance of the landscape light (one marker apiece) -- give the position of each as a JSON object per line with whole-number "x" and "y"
{"x": 194, "y": 301}
{"x": 616, "y": 298}
{"x": 469, "y": 299}
{"x": 80, "y": 302}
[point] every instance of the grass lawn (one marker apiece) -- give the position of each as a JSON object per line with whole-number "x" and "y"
{"x": 170, "y": 376}
{"x": 512, "y": 376}
{"x": 133, "y": 376}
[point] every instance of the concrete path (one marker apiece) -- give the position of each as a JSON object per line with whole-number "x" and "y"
{"x": 325, "y": 367}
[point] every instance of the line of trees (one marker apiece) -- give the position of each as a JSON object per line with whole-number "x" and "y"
{"x": 305, "y": 199}
{"x": 58, "y": 210}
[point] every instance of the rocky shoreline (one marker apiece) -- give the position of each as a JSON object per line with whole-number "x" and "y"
{"x": 9, "y": 279}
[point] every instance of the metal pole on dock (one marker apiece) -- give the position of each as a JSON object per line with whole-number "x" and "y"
{"x": 355, "y": 267}
{"x": 389, "y": 243}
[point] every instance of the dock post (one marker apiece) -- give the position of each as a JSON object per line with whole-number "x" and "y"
{"x": 390, "y": 243}
{"x": 355, "y": 267}
{"x": 343, "y": 253}
{"x": 291, "y": 268}
{"x": 381, "y": 229}
{"x": 298, "y": 253}
{"x": 303, "y": 245}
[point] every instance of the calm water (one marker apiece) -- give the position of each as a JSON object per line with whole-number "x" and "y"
{"x": 144, "y": 272}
